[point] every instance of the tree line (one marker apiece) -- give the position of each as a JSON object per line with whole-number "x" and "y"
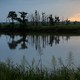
{"x": 35, "y": 18}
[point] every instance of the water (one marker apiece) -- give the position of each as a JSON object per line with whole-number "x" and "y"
{"x": 39, "y": 48}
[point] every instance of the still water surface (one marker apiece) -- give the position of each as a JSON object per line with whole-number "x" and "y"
{"x": 39, "y": 47}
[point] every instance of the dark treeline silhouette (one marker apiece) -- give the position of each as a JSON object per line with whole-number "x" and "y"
{"x": 37, "y": 41}
{"x": 35, "y": 18}
{"x": 12, "y": 15}
{"x": 38, "y": 22}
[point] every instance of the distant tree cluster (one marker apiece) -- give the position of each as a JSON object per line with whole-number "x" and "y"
{"x": 13, "y": 16}
{"x": 35, "y": 18}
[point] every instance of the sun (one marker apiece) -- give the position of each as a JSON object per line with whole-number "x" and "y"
{"x": 75, "y": 17}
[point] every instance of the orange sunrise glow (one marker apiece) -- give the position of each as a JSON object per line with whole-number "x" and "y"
{"x": 75, "y": 17}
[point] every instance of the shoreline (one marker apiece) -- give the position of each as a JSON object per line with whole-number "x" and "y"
{"x": 56, "y": 29}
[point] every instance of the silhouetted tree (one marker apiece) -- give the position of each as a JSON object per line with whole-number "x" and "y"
{"x": 12, "y": 15}
{"x": 51, "y": 19}
{"x": 23, "y": 17}
{"x": 37, "y": 17}
{"x": 19, "y": 20}
{"x": 57, "y": 20}
{"x": 67, "y": 21}
{"x": 32, "y": 19}
{"x": 43, "y": 18}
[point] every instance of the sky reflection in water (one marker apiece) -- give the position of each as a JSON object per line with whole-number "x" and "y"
{"x": 39, "y": 47}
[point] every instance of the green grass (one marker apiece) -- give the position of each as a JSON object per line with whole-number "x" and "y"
{"x": 40, "y": 26}
{"x": 30, "y": 72}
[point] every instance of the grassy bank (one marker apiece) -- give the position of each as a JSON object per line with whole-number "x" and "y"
{"x": 59, "y": 28}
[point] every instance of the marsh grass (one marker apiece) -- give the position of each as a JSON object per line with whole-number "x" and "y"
{"x": 40, "y": 26}
{"x": 26, "y": 71}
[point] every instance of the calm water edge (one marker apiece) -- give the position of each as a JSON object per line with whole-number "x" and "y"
{"x": 39, "y": 47}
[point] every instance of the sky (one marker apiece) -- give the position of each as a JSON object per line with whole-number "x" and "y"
{"x": 64, "y": 8}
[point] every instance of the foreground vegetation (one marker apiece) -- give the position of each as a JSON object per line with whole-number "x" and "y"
{"x": 30, "y": 72}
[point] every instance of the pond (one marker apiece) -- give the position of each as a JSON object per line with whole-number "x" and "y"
{"x": 42, "y": 48}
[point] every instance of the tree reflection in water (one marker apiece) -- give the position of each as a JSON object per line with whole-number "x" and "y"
{"x": 38, "y": 41}
{"x": 12, "y": 43}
